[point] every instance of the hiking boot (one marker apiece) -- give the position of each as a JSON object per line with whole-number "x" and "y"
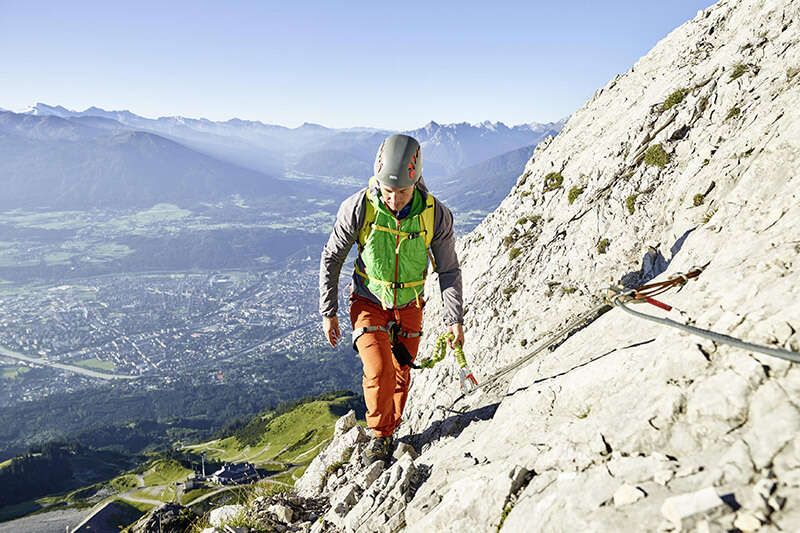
{"x": 379, "y": 449}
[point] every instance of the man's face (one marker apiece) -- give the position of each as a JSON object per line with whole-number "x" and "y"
{"x": 396, "y": 199}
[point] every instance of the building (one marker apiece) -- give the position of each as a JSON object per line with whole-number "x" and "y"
{"x": 235, "y": 474}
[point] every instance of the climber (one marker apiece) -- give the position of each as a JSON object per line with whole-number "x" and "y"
{"x": 400, "y": 229}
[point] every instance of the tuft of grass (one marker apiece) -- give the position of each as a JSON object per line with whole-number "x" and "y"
{"x": 698, "y": 199}
{"x": 529, "y": 218}
{"x": 332, "y": 468}
{"x": 525, "y": 193}
{"x": 514, "y": 253}
{"x": 573, "y": 194}
{"x": 568, "y": 290}
{"x": 508, "y": 240}
{"x": 656, "y": 156}
{"x": 733, "y": 113}
{"x": 553, "y": 181}
{"x": 602, "y": 245}
{"x": 630, "y": 203}
{"x": 791, "y": 72}
{"x": 674, "y": 99}
{"x": 508, "y": 291}
{"x": 739, "y": 70}
{"x": 709, "y": 215}
{"x": 706, "y": 162}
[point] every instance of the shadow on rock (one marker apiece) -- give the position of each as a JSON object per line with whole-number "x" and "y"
{"x": 451, "y": 426}
{"x": 653, "y": 264}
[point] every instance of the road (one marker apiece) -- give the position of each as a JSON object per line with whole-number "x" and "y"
{"x": 61, "y": 366}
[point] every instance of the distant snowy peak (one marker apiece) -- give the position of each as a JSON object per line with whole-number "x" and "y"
{"x": 486, "y": 126}
{"x": 40, "y": 109}
{"x": 429, "y": 130}
{"x": 459, "y": 145}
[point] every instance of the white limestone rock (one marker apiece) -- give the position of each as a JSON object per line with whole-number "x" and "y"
{"x": 747, "y": 522}
{"x": 382, "y": 504}
{"x": 313, "y": 481}
{"x": 403, "y": 449}
{"x": 678, "y": 508}
{"x": 282, "y": 513}
{"x": 367, "y": 476}
{"x": 627, "y": 494}
{"x": 219, "y": 516}
{"x": 344, "y": 424}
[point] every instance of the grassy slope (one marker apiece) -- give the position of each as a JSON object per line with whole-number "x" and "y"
{"x": 287, "y": 445}
{"x": 289, "y": 442}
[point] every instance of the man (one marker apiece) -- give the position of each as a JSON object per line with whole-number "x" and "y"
{"x": 400, "y": 229}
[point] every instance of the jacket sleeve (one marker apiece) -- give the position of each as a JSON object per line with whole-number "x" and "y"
{"x": 334, "y": 253}
{"x": 443, "y": 248}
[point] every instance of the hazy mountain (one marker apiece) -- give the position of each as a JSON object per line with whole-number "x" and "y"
{"x": 189, "y": 159}
{"x": 268, "y": 147}
{"x": 485, "y": 185}
{"x": 455, "y": 146}
{"x": 54, "y": 162}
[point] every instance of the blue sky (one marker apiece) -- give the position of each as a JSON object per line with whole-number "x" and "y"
{"x": 394, "y": 65}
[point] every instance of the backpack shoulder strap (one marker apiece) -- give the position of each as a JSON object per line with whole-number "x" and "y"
{"x": 369, "y": 218}
{"x": 427, "y": 221}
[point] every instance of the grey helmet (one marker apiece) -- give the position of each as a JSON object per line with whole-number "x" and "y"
{"x": 398, "y": 163}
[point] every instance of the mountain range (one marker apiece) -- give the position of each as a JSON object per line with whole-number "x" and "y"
{"x": 56, "y": 157}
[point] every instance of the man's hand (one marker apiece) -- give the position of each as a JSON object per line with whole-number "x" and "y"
{"x": 330, "y": 325}
{"x": 458, "y": 333}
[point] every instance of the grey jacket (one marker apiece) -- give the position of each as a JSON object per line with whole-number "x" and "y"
{"x": 345, "y": 233}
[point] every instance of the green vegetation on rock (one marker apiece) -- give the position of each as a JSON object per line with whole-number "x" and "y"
{"x": 529, "y": 218}
{"x": 733, "y": 113}
{"x": 674, "y": 99}
{"x": 739, "y": 70}
{"x": 630, "y": 203}
{"x": 553, "y": 181}
{"x": 573, "y": 194}
{"x": 656, "y": 156}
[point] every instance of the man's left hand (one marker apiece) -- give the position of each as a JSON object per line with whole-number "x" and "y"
{"x": 458, "y": 336}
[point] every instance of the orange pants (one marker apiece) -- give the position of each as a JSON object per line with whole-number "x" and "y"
{"x": 385, "y": 381}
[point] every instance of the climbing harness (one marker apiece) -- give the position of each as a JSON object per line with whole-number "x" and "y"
{"x": 467, "y": 378}
{"x": 391, "y": 327}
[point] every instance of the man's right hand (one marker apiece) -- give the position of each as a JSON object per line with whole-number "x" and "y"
{"x": 330, "y": 325}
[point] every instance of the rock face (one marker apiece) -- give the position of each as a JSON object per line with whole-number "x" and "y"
{"x": 625, "y": 402}
{"x": 690, "y": 158}
{"x": 362, "y": 496}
